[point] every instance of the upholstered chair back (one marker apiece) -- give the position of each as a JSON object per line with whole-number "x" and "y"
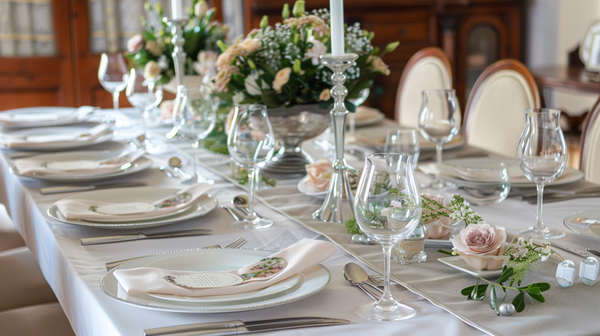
{"x": 590, "y": 145}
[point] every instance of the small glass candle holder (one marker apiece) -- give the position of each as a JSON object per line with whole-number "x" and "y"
{"x": 565, "y": 273}
{"x": 411, "y": 249}
{"x": 588, "y": 271}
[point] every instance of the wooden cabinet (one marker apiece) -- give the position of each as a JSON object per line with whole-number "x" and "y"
{"x": 473, "y": 33}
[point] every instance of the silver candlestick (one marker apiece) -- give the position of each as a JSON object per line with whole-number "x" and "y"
{"x": 331, "y": 210}
{"x": 177, "y": 41}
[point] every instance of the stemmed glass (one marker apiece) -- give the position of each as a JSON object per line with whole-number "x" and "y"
{"x": 403, "y": 141}
{"x": 112, "y": 74}
{"x": 251, "y": 144}
{"x": 387, "y": 205}
{"x": 144, "y": 94}
{"x": 439, "y": 122}
{"x": 194, "y": 117}
{"x": 542, "y": 155}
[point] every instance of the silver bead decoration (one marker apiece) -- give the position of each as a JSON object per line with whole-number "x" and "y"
{"x": 506, "y": 309}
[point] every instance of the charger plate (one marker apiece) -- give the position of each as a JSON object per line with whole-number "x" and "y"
{"x": 592, "y": 231}
{"x": 310, "y": 282}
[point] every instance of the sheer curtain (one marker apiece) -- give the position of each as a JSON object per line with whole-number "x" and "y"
{"x": 26, "y": 28}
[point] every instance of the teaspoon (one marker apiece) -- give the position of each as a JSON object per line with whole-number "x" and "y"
{"x": 355, "y": 279}
{"x": 359, "y": 276}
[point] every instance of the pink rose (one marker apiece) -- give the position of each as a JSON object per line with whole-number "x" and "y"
{"x": 135, "y": 43}
{"x": 319, "y": 173}
{"x": 481, "y": 246}
{"x": 166, "y": 109}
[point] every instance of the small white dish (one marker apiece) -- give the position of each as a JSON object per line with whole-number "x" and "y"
{"x": 308, "y": 188}
{"x": 45, "y": 116}
{"x": 457, "y": 262}
{"x": 591, "y": 231}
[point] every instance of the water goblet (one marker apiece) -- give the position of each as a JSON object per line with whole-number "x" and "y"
{"x": 542, "y": 155}
{"x": 251, "y": 144}
{"x": 194, "y": 116}
{"x": 403, "y": 141}
{"x": 144, "y": 94}
{"x": 439, "y": 122}
{"x": 113, "y": 74}
{"x": 387, "y": 205}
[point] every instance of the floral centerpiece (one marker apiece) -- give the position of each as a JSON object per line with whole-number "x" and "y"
{"x": 152, "y": 49}
{"x": 439, "y": 216}
{"x": 280, "y": 66}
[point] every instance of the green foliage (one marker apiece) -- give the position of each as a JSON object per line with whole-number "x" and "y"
{"x": 352, "y": 226}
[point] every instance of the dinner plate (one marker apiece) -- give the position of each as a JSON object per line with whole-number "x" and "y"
{"x": 43, "y": 116}
{"x": 307, "y": 187}
{"x": 311, "y": 281}
{"x": 592, "y": 231}
{"x": 60, "y": 130}
{"x": 137, "y": 166}
{"x": 569, "y": 175}
{"x": 368, "y": 116}
{"x": 200, "y": 207}
{"x": 460, "y": 264}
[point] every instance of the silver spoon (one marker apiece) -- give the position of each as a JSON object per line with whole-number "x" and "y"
{"x": 349, "y": 277}
{"x": 241, "y": 202}
{"x": 166, "y": 171}
{"x": 175, "y": 163}
{"x": 359, "y": 276}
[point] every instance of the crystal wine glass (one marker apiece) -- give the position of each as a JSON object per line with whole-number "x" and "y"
{"x": 113, "y": 74}
{"x": 542, "y": 155}
{"x": 194, "y": 117}
{"x": 144, "y": 94}
{"x": 251, "y": 144}
{"x": 439, "y": 122}
{"x": 403, "y": 141}
{"x": 387, "y": 205}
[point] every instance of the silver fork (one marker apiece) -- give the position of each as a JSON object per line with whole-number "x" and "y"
{"x": 234, "y": 244}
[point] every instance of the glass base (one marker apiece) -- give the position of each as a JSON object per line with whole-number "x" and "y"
{"x": 397, "y": 312}
{"x": 258, "y": 223}
{"x": 544, "y": 233}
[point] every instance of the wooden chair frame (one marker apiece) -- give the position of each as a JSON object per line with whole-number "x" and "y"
{"x": 585, "y": 143}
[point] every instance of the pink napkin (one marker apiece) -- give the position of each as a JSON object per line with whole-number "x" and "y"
{"x": 299, "y": 256}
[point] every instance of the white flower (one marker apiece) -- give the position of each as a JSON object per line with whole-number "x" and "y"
{"x": 207, "y": 61}
{"x": 238, "y": 97}
{"x": 316, "y": 51}
{"x": 153, "y": 48}
{"x": 481, "y": 246}
{"x": 281, "y": 78}
{"x": 396, "y": 204}
{"x": 200, "y": 9}
{"x": 162, "y": 62}
{"x": 380, "y": 66}
{"x": 252, "y": 85}
{"x": 151, "y": 70}
{"x": 249, "y": 45}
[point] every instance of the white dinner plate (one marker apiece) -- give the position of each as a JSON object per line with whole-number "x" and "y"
{"x": 137, "y": 166}
{"x": 460, "y": 264}
{"x": 368, "y": 116}
{"x": 44, "y": 116}
{"x": 306, "y": 187}
{"x": 60, "y": 130}
{"x": 569, "y": 175}
{"x": 200, "y": 207}
{"x": 311, "y": 281}
{"x": 592, "y": 231}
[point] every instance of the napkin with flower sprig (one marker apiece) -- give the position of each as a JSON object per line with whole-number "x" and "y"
{"x": 297, "y": 258}
{"x": 14, "y": 141}
{"x": 96, "y": 167}
{"x": 73, "y": 208}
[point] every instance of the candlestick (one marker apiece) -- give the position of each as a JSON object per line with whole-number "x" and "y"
{"x": 331, "y": 210}
{"x": 178, "y": 10}
{"x": 178, "y": 41}
{"x": 336, "y": 8}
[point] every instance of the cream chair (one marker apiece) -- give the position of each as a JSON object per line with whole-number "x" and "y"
{"x": 46, "y": 319}
{"x": 428, "y": 69}
{"x": 495, "y": 113}
{"x": 9, "y": 236}
{"x": 590, "y": 145}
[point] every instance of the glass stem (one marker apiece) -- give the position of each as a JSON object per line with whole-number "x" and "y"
{"x": 251, "y": 173}
{"x": 116, "y": 101}
{"x": 145, "y": 115}
{"x": 540, "y": 198}
{"x": 195, "y": 158}
{"x": 387, "y": 301}
{"x": 438, "y": 153}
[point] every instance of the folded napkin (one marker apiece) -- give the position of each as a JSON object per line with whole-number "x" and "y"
{"x": 43, "y": 167}
{"x": 36, "y": 117}
{"x": 365, "y": 113}
{"x": 299, "y": 257}
{"x": 13, "y": 141}
{"x": 73, "y": 208}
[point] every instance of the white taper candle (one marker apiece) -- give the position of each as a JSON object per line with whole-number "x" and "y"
{"x": 336, "y": 8}
{"x": 178, "y": 10}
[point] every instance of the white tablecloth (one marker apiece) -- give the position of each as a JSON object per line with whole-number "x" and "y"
{"x": 74, "y": 271}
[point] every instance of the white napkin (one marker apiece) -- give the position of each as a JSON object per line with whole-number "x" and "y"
{"x": 12, "y": 141}
{"x": 93, "y": 210}
{"x": 42, "y": 167}
{"x": 299, "y": 256}
{"x": 365, "y": 113}
{"x": 37, "y": 117}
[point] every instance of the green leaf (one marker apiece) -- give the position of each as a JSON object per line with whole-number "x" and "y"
{"x": 494, "y": 299}
{"x": 444, "y": 251}
{"x": 543, "y": 286}
{"x": 467, "y": 291}
{"x": 506, "y": 274}
{"x": 538, "y": 297}
{"x": 519, "y": 302}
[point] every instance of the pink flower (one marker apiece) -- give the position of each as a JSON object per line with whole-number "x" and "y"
{"x": 249, "y": 45}
{"x": 223, "y": 77}
{"x": 166, "y": 109}
{"x": 380, "y": 66}
{"x": 481, "y": 246}
{"x": 281, "y": 78}
{"x": 135, "y": 43}
{"x": 319, "y": 173}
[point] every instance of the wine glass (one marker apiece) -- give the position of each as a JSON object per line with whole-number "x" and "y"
{"x": 439, "y": 122}
{"x": 194, "y": 117}
{"x": 251, "y": 144}
{"x": 387, "y": 205}
{"x": 144, "y": 94}
{"x": 542, "y": 155}
{"x": 403, "y": 141}
{"x": 112, "y": 74}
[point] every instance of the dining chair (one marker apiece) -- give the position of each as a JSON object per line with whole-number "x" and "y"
{"x": 590, "y": 145}
{"x": 9, "y": 237}
{"x": 428, "y": 69}
{"x": 46, "y": 319}
{"x": 495, "y": 112}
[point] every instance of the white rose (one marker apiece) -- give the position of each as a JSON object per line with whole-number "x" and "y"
{"x": 316, "y": 51}
{"x": 481, "y": 246}
{"x": 281, "y": 78}
{"x": 151, "y": 70}
{"x": 249, "y": 45}
{"x": 251, "y": 84}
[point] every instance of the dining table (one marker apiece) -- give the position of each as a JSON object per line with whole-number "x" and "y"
{"x": 75, "y": 271}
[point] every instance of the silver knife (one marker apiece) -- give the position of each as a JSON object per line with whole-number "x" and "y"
{"x": 238, "y": 327}
{"x": 140, "y": 236}
{"x": 68, "y": 189}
